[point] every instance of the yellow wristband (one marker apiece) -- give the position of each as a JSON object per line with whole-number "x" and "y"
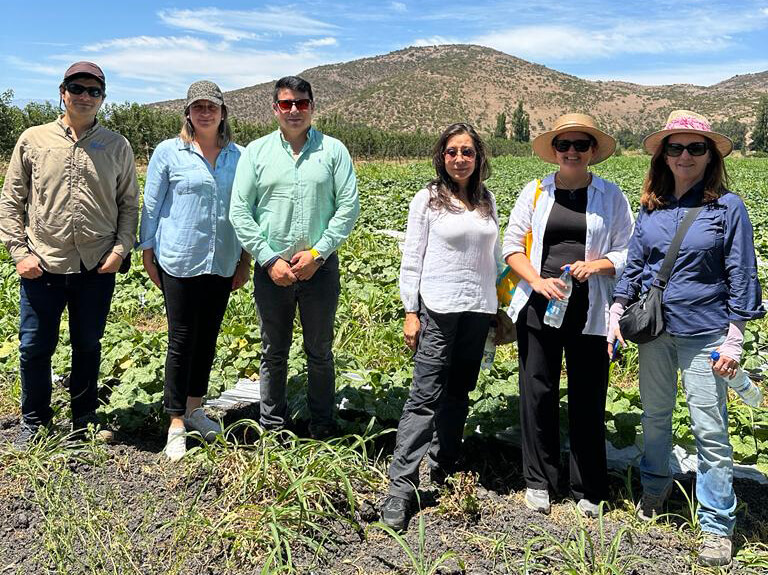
{"x": 315, "y": 253}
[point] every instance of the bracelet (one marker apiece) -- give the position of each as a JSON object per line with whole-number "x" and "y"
{"x": 315, "y": 253}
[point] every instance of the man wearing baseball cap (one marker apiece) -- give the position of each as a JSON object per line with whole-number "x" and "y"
{"x": 68, "y": 215}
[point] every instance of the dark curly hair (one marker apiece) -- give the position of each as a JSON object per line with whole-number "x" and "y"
{"x": 443, "y": 188}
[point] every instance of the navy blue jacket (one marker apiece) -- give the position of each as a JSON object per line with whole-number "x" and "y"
{"x": 714, "y": 280}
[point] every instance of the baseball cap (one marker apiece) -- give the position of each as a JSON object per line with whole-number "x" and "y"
{"x": 85, "y": 68}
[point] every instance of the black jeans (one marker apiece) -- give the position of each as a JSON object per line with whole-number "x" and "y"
{"x": 541, "y": 350}
{"x": 445, "y": 370}
{"x": 194, "y": 307}
{"x": 87, "y": 297}
{"x": 317, "y": 299}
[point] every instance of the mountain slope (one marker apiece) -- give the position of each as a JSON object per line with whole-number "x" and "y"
{"x": 430, "y": 87}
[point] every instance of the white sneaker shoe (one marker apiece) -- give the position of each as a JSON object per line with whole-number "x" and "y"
{"x": 198, "y": 421}
{"x": 588, "y": 509}
{"x": 538, "y": 500}
{"x": 176, "y": 445}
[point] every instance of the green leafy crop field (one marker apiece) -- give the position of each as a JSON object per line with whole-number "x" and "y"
{"x": 291, "y": 505}
{"x": 368, "y": 335}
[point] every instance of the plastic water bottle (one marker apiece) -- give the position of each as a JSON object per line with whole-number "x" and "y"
{"x": 748, "y": 391}
{"x": 489, "y": 351}
{"x": 556, "y": 308}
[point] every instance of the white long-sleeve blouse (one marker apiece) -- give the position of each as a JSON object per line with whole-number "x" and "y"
{"x": 450, "y": 260}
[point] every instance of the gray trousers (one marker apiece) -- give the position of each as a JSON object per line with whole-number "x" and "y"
{"x": 317, "y": 299}
{"x": 445, "y": 370}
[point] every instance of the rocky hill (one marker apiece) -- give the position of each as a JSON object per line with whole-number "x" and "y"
{"x": 430, "y": 87}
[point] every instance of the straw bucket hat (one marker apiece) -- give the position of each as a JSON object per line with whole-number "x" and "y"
{"x": 542, "y": 144}
{"x": 687, "y": 122}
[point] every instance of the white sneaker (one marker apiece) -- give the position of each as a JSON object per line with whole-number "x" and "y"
{"x": 198, "y": 421}
{"x": 588, "y": 509}
{"x": 176, "y": 445}
{"x": 538, "y": 500}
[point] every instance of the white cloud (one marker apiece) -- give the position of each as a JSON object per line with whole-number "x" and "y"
{"x": 398, "y": 7}
{"x": 698, "y": 74}
{"x": 321, "y": 42}
{"x": 246, "y": 24}
{"x": 434, "y": 41}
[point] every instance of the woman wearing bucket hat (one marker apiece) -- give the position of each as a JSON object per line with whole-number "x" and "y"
{"x": 712, "y": 291}
{"x": 192, "y": 254}
{"x": 577, "y": 219}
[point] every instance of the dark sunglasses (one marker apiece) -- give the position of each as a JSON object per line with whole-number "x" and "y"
{"x": 465, "y": 152}
{"x": 286, "y": 106}
{"x": 565, "y": 145}
{"x": 77, "y": 89}
{"x": 694, "y": 149}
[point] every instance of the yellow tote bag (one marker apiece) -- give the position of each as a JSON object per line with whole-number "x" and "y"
{"x": 507, "y": 280}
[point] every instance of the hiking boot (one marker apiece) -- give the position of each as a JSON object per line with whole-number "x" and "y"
{"x": 28, "y": 433}
{"x": 394, "y": 512}
{"x": 200, "y": 422}
{"x": 176, "y": 444}
{"x": 91, "y": 421}
{"x": 538, "y": 500}
{"x": 588, "y": 509}
{"x": 715, "y": 550}
{"x": 651, "y": 506}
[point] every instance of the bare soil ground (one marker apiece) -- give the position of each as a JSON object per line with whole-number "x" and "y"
{"x": 125, "y": 501}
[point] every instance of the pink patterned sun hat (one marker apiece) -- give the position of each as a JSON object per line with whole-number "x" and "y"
{"x": 687, "y": 122}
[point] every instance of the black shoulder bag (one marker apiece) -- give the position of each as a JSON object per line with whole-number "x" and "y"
{"x": 643, "y": 320}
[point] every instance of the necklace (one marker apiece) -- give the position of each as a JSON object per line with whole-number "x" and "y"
{"x": 571, "y": 191}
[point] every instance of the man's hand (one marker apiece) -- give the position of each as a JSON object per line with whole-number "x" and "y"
{"x": 725, "y": 367}
{"x": 281, "y": 273}
{"x": 110, "y": 263}
{"x": 242, "y": 273}
{"x": 303, "y": 265}
{"x": 411, "y": 328}
{"x": 148, "y": 259}
{"x": 29, "y": 268}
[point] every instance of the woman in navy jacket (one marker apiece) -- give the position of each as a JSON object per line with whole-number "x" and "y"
{"x": 712, "y": 292}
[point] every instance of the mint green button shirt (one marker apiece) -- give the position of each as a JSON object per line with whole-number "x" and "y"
{"x": 281, "y": 206}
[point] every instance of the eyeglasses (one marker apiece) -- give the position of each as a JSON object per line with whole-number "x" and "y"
{"x": 468, "y": 153}
{"x": 77, "y": 89}
{"x": 565, "y": 145}
{"x": 694, "y": 149}
{"x": 286, "y": 106}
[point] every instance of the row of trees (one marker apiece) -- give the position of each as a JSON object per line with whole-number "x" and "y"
{"x": 145, "y": 127}
{"x": 521, "y": 125}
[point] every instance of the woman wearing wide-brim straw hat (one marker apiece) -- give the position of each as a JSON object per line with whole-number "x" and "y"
{"x": 712, "y": 291}
{"x": 580, "y": 220}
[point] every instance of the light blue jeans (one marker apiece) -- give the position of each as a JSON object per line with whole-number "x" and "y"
{"x": 705, "y": 393}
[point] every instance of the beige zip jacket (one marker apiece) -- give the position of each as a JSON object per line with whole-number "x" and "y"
{"x": 69, "y": 201}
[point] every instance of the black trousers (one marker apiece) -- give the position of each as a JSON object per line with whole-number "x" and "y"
{"x": 541, "y": 351}
{"x": 445, "y": 370}
{"x": 194, "y": 307}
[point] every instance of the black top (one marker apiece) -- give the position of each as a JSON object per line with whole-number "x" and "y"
{"x": 566, "y": 232}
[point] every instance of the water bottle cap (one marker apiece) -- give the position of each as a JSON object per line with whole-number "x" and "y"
{"x": 714, "y": 356}
{"x": 567, "y": 269}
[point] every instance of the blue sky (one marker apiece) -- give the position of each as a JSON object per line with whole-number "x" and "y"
{"x": 153, "y": 50}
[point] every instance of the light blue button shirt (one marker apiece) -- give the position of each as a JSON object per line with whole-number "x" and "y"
{"x": 185, "y": 217}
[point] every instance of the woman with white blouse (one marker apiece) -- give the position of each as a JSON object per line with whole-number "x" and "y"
{"x": 575, "y": 219}
{"x": 448, "y": 288}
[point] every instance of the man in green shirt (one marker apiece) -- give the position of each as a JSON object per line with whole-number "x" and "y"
{"x": 294, "y": 201}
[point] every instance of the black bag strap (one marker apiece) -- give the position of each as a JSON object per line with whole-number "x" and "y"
{"x": 662, "y": 278}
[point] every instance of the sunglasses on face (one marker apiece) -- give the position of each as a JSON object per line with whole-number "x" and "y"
{"x": 77, "y": 89}
{"x": 286, "y": 106}
{"x": 565, "y": 145}
{"x": 694, "y": 149}
{"x": 468, "y": 153}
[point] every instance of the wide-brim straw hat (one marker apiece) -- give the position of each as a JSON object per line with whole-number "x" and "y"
{"x": 687, "y": 122}
{"x": 542, "y": 144}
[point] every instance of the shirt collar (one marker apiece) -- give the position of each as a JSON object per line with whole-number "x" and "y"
{"x": 68, "y": 131}
{"x": 690, "y": 198}
{"x": 310, "y": 143}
